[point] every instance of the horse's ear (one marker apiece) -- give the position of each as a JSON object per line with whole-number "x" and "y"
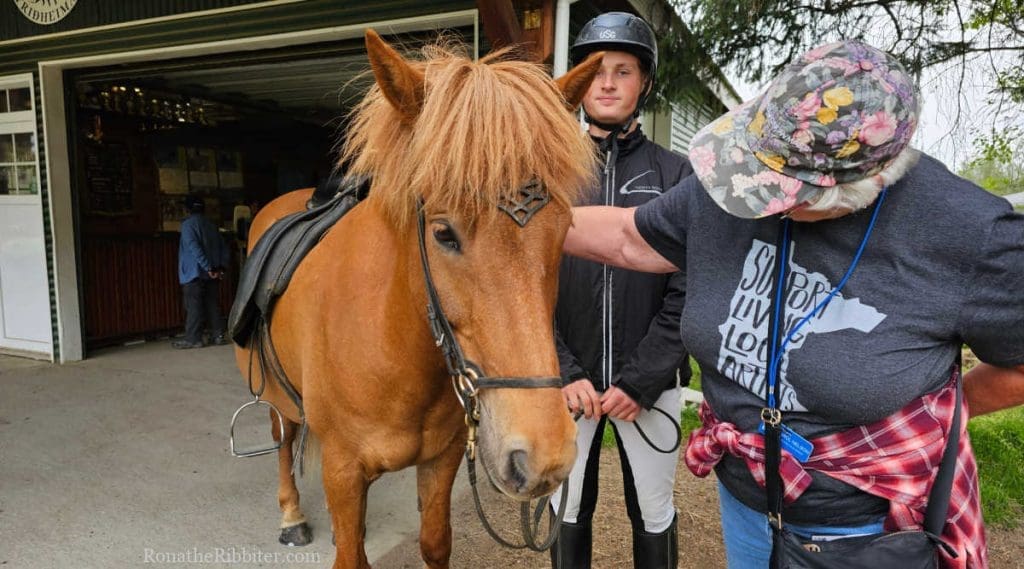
{"x": 576, "y": 82}
{"x": 402, "y": 85}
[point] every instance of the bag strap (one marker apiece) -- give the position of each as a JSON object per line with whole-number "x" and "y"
{"x": 772, "y": 419}
{"x": 938, "y": 498}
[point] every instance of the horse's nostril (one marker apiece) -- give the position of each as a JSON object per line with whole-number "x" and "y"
{"x": 517, "y": 469}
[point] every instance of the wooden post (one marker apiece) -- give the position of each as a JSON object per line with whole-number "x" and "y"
{"x": 539, "y": 27}
{"x": 500, "y": 21}
{"x": 529, "y": 22}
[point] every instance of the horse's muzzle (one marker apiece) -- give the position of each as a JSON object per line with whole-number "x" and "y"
{"x": 518, "y": 473}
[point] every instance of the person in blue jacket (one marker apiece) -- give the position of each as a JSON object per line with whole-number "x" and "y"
{"x": 202, "y": 257}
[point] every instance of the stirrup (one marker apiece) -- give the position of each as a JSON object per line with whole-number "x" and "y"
{"x": 256, "y": 451}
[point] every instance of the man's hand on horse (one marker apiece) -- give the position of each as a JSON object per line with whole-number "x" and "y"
{"x": 618, "y": 405}
{"x": 581, "y": 397}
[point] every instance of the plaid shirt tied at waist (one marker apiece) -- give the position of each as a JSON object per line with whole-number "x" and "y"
{"x": 895, "y": 458}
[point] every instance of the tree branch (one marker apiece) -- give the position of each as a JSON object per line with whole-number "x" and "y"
{"x": 895, "y": 22}
{"x": 964, "y": 50}
{"x": 963, "y": 71}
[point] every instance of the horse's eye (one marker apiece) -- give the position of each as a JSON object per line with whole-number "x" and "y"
{"x": 446, "y": 237}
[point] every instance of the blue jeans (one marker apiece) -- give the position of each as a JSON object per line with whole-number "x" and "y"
{"x": 748, "y": 538}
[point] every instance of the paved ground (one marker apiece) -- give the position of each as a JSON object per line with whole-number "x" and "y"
{"x": 122, "y": 460}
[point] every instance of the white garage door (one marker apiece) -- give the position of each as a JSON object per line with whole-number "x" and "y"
{"x": 24, "y": 289}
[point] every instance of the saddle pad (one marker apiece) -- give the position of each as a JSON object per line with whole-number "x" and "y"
{"x": 270, "y": 266}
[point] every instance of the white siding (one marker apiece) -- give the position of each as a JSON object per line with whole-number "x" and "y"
{"x": 687, "y": 118}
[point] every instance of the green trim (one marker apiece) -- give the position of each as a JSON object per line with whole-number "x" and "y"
{"x": 24, "y": 56}
{"x": 44, "y": 195}
{"x": 15, "y": 24}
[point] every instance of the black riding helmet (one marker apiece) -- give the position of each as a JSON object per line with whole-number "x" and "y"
{"x": 620, "y": 31}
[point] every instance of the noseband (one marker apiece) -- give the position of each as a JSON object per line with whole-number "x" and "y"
{"x": 468, "y": 379}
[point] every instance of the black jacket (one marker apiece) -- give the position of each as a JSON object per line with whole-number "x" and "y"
{"x": 643, "y": 335}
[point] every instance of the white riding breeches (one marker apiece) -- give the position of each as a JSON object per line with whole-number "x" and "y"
{"x": 648, "y": 475}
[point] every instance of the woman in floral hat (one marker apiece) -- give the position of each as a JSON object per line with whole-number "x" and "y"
{"x": 889, "y": 264}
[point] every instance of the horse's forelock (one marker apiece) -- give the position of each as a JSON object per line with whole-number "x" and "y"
{"x": 486, "y": 129}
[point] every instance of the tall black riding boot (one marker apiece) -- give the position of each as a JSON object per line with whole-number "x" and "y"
{"x": 572, "y": 548}
{"x": 656, "y": 550}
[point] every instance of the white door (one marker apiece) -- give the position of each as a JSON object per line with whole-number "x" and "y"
{"x": 24, "y": 288}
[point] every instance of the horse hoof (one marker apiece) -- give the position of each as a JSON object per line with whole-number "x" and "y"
{"x": 296, "y": 535}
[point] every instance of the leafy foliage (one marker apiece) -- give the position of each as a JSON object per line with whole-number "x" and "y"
{"x": 758, "y": 38}
{"x": 999, "y": 165}
{"x": 753, "y": 34}
{"x": 684, "y": 66}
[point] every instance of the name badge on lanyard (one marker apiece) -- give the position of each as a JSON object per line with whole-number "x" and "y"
{"x": 792, "y": 442}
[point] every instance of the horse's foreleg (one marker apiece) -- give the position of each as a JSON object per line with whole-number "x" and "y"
{"x": 434, "y": 481}
{"x": 345, "y": 486}
{"x": 294, "y": 529}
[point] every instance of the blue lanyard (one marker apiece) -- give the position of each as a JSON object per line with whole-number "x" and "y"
{"x": 776, "y": 351}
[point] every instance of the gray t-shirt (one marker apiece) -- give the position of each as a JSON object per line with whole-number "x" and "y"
{"x": 944, "y": 266}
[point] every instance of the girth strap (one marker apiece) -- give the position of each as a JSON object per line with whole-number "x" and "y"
{"x": 262, "y": 346}
{"x": 269, "y": 359}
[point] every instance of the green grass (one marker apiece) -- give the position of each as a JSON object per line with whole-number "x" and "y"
{"x": 998, "y": 441}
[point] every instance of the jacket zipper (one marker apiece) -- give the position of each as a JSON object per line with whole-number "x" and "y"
{"x": 606, "y": 333}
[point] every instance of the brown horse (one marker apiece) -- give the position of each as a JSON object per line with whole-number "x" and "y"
{"x": 352, "y": 332}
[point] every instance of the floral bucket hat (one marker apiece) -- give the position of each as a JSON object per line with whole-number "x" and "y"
{"x": 840, "y": 113}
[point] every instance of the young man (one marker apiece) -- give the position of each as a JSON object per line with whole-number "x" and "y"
{"x": 202, "y": 257}
{"x": 618, "y": 330}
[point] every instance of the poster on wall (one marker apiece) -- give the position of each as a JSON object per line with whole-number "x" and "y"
{"x": 202, "y": 169}
{"x": 172, "y": 169}
{"x": 214, "y": 174}
{"x": 229, "y": 169}
{"x": 108, "y": 179}
{"x": 172, "y": 211}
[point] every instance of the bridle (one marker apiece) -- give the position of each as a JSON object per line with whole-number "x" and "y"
{"x": 468, "y": 379}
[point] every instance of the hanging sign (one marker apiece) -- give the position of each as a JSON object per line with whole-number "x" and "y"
{"x": 45, "y": 12}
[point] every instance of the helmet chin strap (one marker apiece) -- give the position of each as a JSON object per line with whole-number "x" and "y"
{"x": 612, "y": 129}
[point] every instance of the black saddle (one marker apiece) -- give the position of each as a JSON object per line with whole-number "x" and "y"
{"x": 270, "y": 266}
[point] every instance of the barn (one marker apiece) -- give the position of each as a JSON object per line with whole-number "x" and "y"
{"x": 112, "y": 111}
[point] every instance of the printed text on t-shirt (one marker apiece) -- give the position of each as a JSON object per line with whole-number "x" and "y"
{"x": 743, "y": 354}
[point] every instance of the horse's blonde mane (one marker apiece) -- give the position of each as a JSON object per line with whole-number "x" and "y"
{"x": 486, "y": 129}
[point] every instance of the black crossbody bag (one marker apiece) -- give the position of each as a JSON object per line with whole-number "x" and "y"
{"x": 895, "y": 550}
